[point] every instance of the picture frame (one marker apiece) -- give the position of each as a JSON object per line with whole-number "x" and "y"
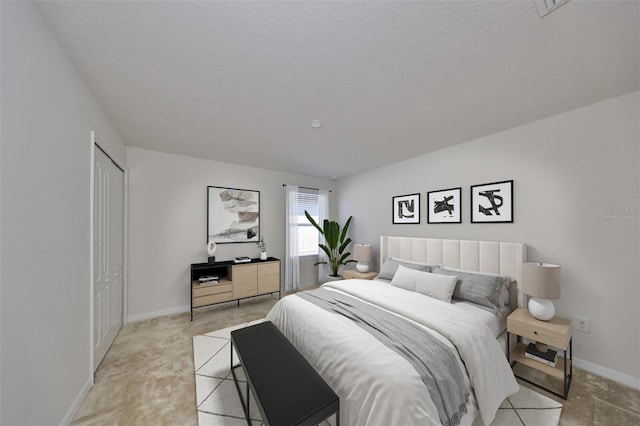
{"x": 444, "y": 206}
{"x": 406, "y": 209}
{"x": 233, "y": 215}
{"x": 492, "y": 202}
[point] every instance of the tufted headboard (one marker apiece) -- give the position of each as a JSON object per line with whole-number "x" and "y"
{"x": 481, "y": 256}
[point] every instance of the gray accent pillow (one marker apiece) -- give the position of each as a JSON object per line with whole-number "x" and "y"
{"x": 390, "y": 267}
{"x": 481, "y": 289}
{"x": 508, "y": 285}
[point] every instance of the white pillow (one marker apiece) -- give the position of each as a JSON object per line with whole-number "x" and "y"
{"x": 434, "y": 285}
{"x": 403, "y": 278}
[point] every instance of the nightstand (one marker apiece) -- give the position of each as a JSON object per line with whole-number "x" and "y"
{"x": 352, "y": 273}
{"x": 555, "y": 332}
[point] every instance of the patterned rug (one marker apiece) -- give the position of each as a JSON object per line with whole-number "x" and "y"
{"x": 218, "y": 404}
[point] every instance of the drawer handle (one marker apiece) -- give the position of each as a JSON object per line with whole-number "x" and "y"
{"x": 535, "y": 332}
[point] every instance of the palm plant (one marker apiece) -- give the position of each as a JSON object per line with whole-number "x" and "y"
{"x": 336, "y": 243}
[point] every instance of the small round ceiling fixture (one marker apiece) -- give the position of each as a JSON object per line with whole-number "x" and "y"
{"x": 316, "y": 124}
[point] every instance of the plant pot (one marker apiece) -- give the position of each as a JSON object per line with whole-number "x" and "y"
{"x": 332, "y": 278}
{"x": 263, "y": 255}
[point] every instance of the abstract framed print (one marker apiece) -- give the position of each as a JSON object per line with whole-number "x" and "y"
{"x": 444, "y": 206}
{"x": 406, "y": 209}
{"x": 492, "y": 202}
{"x": 233, "y": 215}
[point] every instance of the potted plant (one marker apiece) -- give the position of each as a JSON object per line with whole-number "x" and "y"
{"x": 336, "y": 243}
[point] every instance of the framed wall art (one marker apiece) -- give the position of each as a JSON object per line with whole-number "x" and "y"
{"x": 406, "y": 209}
{"x": 444, "y": 206}
{"x": 492, "y": 202}
{"x": 233, "y": 215}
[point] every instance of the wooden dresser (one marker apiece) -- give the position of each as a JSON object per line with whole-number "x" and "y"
{"x": 236, "y": 281}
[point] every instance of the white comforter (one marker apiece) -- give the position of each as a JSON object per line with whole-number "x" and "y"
{"x": 377, "y": 386}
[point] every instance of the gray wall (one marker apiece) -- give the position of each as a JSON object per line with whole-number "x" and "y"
{"x": 47, "y": 116}
{"x": 568, "y": 170}
{"x": 168, "y": 226}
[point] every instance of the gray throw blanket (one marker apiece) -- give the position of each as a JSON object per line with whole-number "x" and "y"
{"x": 434, "y": 361}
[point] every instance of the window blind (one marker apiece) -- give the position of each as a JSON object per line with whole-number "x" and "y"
{"x": 307, "y": 233}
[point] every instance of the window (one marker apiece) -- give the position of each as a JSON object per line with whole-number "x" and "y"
{"x": 307, "y": 233}
{"x": 301, "y": 236}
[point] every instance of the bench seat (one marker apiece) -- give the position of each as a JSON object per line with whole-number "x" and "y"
{"x": 287, "y": 390}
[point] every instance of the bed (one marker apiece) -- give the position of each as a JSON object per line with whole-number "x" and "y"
{"x": 398, "y": 355}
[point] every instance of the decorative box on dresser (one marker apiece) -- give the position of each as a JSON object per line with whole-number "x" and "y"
{"x": 555, "y": 333}
{"x": 352, "y": 274}
{"x": 236, "y": 281}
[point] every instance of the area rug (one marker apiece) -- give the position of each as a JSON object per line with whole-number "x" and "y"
{"x": 218, "y": 403}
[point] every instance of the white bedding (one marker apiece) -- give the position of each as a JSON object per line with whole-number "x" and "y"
{"x": 497, "y": 324}
{"x": 376, "y": 386}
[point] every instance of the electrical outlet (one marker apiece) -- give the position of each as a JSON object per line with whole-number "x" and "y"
{"x": 582, "y": 324}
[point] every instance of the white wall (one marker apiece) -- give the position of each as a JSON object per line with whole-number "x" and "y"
{"x": 47, "y": 116}
{"x": 568, "y": 169}
{"x": 168, "y": 226}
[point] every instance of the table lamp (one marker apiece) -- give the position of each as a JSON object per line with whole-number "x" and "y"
{"x": 541, "y": 281}
{"x": 362, "y": 253}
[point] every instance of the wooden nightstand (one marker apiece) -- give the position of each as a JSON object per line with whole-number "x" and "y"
{"x": 555, "y": 332}
{"x": 352, "y": 273}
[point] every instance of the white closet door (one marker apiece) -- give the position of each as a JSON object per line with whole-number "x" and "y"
{"x": 108, "y": 254}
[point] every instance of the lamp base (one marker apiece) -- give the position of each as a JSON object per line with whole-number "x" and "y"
{"x": 362, "y": 267}
{"x": 541, "y": 309}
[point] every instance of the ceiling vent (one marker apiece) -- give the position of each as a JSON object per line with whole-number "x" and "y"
{"x": 545, "y": 7}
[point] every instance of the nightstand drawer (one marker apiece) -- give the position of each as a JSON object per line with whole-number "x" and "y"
{"x": 553, "y": 333}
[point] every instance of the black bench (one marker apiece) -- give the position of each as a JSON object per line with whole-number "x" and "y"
{"x": 287, "y": 390}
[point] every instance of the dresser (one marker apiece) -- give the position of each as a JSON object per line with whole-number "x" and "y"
{"x": 236, "y": 281}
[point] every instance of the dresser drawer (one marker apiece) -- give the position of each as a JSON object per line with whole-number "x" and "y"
{"x": 207, "y": 290}
{"x": 212, "y": 298}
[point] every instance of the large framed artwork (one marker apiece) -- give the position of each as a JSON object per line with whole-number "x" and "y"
{"x": 492, "y": 202}
{"x": 406, "y": 209}
{"x": 233, "y": 215}
{"x": 444, "y": 206}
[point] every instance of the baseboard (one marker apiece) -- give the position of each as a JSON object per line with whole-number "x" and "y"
{"x": 156, "y": 314}
{"x": 71, "y": 413}
{"x": 607, "y": 373}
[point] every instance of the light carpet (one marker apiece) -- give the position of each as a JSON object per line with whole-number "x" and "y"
{"x": 218, "y": 403}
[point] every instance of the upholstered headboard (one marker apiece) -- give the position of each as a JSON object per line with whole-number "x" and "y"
{"x": 482, "y": 256}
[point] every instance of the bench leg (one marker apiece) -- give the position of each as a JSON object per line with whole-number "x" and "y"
{"x": 245, "y": 408}
{"x": 248, "y": 405}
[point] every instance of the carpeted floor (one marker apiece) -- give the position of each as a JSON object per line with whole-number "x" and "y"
{"x": 218, "y": 403}
{"x": 147, "y": 376}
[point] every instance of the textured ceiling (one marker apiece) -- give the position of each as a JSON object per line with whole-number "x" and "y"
{"x": 240, "y": 81}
